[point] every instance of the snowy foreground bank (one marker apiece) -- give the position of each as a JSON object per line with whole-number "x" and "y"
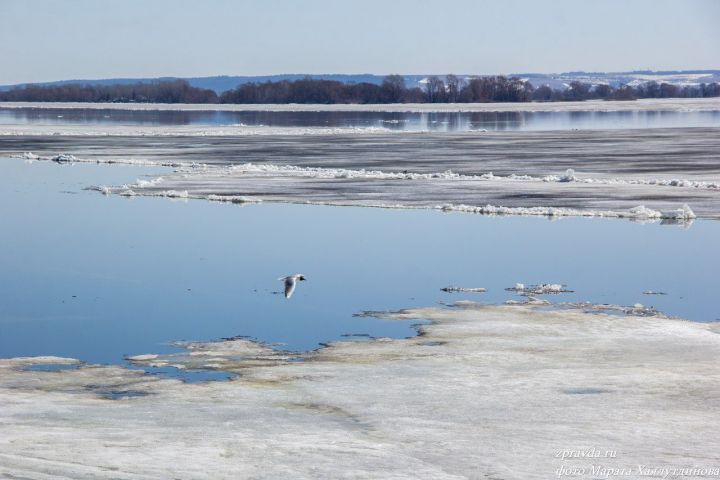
{"x": 504, "y": 392}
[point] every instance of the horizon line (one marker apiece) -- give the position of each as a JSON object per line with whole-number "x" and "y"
{"x": 615, "y": 72}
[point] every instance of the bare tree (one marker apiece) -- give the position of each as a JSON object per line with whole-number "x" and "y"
{"x": 626, "y": 92}
{"x": 543, "y": 93}
{"x": 667, "y": 90}
{"x": 602, "y": 91}
{"x": 435, "y": 89}
{"x": 577, "y": 91}
{"x": 454, "y": 85}
{"x": 393, "y": 87}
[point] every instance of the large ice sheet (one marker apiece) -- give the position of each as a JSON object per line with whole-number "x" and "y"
{"x": 180, "y": 130}
{"x": 640, "y": 174}
{"x": 484, "y": 392}
{"x": 683, "y": 153}
{"x": 483, "y": 194}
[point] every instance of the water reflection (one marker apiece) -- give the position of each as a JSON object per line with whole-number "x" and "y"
{"x": 439, "y": 121}
{"x": 98, "y": 278}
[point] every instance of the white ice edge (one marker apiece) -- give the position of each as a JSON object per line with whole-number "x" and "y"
{"x": 683, "y": 214}
{"x": 187, "y": 131}
{"x": 68, "y": 158}
{"x": 639, "y": 213}
{"x": 569, "y": 176}
{"x": 126, "y": 191}
{"x": 669, "y": 104}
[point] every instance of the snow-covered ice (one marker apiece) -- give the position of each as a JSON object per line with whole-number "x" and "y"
{"x": 181, "y": 130}
{"x": 539, "y": 289}
{"x": 484, "y": 392}
{"x": 329, "y": 186}
{"x": 63, "y": 157}
{"x": 642, "y": 175}
{"x": 640, "y": 212}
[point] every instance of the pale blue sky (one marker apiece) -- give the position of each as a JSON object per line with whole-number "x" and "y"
{"x": 42, "y": 40}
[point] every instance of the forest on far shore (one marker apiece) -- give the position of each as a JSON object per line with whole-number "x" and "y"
{"x": 451, "y": 89}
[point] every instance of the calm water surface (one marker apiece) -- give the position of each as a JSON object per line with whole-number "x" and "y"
{"x": 395, "y": 121}
{"x": 97, "y": 278}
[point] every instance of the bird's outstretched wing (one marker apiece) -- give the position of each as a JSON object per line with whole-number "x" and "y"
{"x": 289, "y": 286}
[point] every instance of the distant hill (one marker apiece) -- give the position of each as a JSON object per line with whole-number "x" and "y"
{"x": 678, "y": 78}
{"x": 223, "y": 83}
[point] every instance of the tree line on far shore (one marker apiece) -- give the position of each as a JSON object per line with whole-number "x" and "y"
{"x": 175, "y": 91}
{"x": 451, "y": 89}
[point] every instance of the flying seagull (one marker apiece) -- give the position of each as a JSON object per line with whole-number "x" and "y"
{"x": 290, "y": 282}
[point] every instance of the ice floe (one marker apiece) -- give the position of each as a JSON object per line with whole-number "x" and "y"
{"x": 463, "y": 290}
{"x": 529, "y": 300}
{"x": 202, "y": 173}
{"x": 683, "y": 214}
{"x": 539, "y": 289}
{"x": 64, "y": 158}
{"x": 349, "y": 173}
